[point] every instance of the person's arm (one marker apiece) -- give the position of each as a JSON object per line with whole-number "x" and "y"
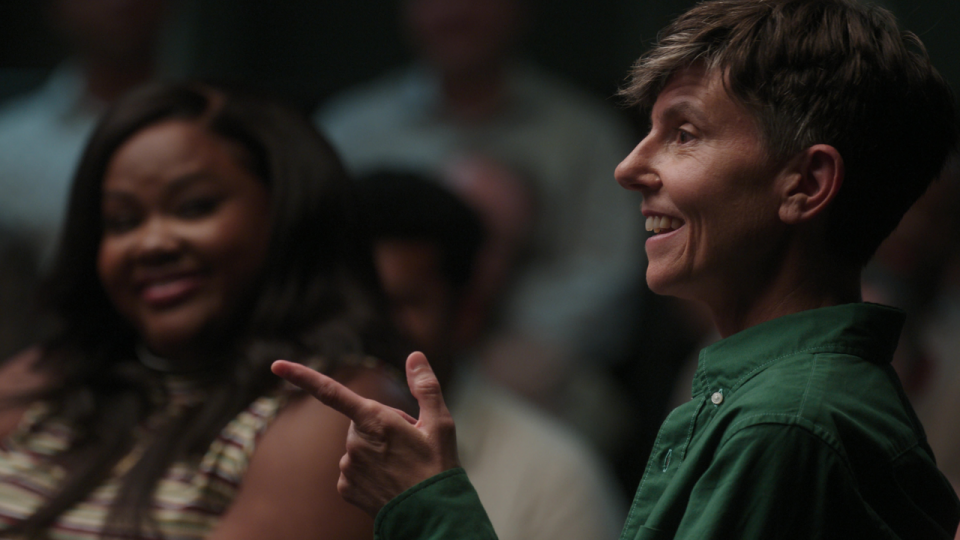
{"x": 444, "y": 506}
{"x": 289, "y": 489}
{"x": 403, "y": 470}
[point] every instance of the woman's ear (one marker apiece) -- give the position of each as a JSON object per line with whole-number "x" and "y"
{"x": 812, "y": 181}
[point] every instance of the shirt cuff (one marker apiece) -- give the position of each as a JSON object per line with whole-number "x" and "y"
{"x": 443, "y": 506}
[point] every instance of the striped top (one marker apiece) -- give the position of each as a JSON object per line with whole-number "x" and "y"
{"x": 188, "y": 501}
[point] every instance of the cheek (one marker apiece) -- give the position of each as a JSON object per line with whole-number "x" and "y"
{"x": 240, "y": 247}
{"x": 109, "y": 265}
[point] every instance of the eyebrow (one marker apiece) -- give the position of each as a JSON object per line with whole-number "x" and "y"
{"x": 172, "y": 189}
{"x": 180, "y": 183}
{"x": 683, "y": 108}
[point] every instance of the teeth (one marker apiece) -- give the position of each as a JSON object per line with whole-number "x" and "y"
{"x": 662, "y": 223}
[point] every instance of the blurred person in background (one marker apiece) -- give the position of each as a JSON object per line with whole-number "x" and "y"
{"x": 470, "y": 94}
{"x": 207, "y": 234}
{"x": 112, "y": 48}
{"x": 535, "y": 478}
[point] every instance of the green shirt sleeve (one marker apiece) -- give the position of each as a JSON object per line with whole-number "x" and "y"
{"x": 442, "y": 507}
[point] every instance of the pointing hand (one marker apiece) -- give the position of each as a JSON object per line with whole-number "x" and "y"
{"x": 388, "y": 451}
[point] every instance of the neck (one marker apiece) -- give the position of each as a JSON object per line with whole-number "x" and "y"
{"x": 798, "y": 284}
{"x": 473, "y": 94}
{"x": 195, "y": 363}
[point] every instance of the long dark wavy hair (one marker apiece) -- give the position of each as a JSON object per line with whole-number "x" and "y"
{"x": 317, "y": 299}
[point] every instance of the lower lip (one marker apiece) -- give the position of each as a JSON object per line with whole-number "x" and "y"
{"x": 170, "y": 293}
{"x": 662, "y": 236}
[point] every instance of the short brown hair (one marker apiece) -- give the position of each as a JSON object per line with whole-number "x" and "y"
{"x": 834, "y": 72}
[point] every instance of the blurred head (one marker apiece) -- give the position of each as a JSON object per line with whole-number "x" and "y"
{"x": 830, "y": 72}
{"x": 198, "y": 219}
{"x": 426, "y": 243}
{"x": 119, "y": 31}
{"x": 456, "y": 36}
{"x": 186, "y": 227}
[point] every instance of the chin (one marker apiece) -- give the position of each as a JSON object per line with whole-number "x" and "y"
{"x": 660, "y": 282}
{"x": 169, "y": 341}
{"x": 665, "y": 284}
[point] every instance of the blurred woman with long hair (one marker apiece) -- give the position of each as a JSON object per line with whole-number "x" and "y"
{"x": 206, "y": 235}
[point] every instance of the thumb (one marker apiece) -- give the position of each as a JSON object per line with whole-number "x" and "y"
{"x": 425, "y": 388}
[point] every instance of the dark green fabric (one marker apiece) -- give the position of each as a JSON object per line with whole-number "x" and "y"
{"x": 798, "y": 429}
{"x": 442, "y": 507}
{"x": 812, "y": 438}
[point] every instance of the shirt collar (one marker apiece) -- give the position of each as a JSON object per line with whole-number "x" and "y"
{"x": 870, "y": 331}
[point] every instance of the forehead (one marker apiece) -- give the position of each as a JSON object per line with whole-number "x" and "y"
{"x": 699, "y": 95}
{"x": 170, "y": 150}
{"x": 696, "y": 88}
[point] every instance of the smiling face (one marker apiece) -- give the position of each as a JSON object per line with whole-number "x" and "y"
{"x": 709, "y": 192}
{"x": 185, "y": 235}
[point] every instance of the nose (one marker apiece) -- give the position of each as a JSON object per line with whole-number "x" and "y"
{"x": 156, "y": 241}
{"x": 636, "y": 172}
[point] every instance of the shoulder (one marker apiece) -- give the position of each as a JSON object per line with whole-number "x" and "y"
{"x": 375, "y": 383}
{"x": 289, "y": 489}
{"x": 383, "y": 95}
{"x": 766, "y": 457}
{"x": 849, "y": 402}
{"x": 20, "y": 376}
{"x": 21, "y": 371}
{"x": 774, "y": 435}
{"x": 20, "y": 109}
{"x": 28, "y": 110}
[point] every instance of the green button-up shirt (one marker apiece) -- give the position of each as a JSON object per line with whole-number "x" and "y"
{"x": 798, "y": 428}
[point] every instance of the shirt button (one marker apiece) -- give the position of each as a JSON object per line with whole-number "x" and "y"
{"x": 716, "y": 398}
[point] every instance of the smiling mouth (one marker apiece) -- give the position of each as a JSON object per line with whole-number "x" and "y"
{"x": 166, "y": 292}
{"x": 663, "y": 224}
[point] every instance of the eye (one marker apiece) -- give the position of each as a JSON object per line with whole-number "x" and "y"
{"x": 684, "y": 136}
{"x": 197, "y": 207}
{"x": 119, "y": 222}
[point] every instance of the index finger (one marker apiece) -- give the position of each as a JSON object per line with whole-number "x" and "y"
{"x": 328, "y": 391}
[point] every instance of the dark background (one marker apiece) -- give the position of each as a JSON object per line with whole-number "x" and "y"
{"x": 305, "y": 50}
